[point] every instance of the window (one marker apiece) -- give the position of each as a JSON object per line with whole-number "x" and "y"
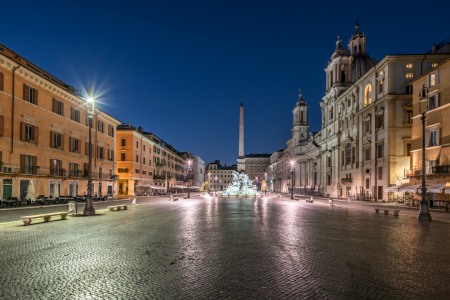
{"x": 381, "y": 73}
{"x": 137, "y": 157}
{"x": 380, "y": 150}
{"x": 143, "y": 160}
{"x": 74, "y": 145}
{"x": 29, "y": 133}
{"x": 331, "y": 78}
{"x": 55, "y": 167}
{"x": 328, "y": 179}
{"x": 367, "y": 98}
{"x": 150, "y": 150}
{"x": 353, "y": 154}
{"x": 380, "y": 121}
{"x": 434, "y": 65}
{"x": 75, "y": 114}
{"x": 110, "y": 154}
{"x": 380, "y": 192}
{"x": 74, "y": 169}
{"x": 111, "y": 131}
{"x": 433, "y": 138}
{"x": 409, "y": 89}
{"x": 432, "y": 102}
{"x": 26, "y": 164}
{"x": 137, "y": 171}
{"x": 30, "y": 94}
{"x": 331, "y": 113}
{"x": 137, "y": 144}
{"x": 343, "y": 74}
{"x": 123, "y": 142}
{"x": 123, "y": 170}
{"x": 58, "y": 107}
{"x": 409, "y": 116}
{"x": 380, "y": 86}
{"x": 349, "y": 153}
{"x": 101, "y": 126}
{"x": 367, "y": 183}
{"x": 367, "y": 154}
{"x": 56, "y": 140}
{"x": 100, "y": 153}
{"x": 408, "y": 149}
{"x": 432, "y": 80}
{"x": 409, "y": 75}
{"x": 154, "y": 149}
{"x": 143, "y": 147}
{"x": 122, "y": 156}
{"x": 409, "y": 66}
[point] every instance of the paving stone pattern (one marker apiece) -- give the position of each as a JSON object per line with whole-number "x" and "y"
{"x": 209, "y": 248}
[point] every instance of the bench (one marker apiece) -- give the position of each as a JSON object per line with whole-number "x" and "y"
{"x": 309, "y": 201}
{"x": 119, "y": 207}
{"x": 47, "y": 217}
{"x": 296, "y": 199}
{"x": 386, "y": 212}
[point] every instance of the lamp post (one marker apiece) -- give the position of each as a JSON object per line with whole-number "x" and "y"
{"x": 424, "y": 213}
{"x": 292, "y": 179}
{"x": 215, "y": 179}
{"x": 265, "y": 187}
{"x": 189, "y": 172}
{"x": 89, "y": 209}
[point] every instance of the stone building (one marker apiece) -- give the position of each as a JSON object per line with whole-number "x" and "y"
{"x": 44, "y": 134}
{"x": 365, "y": 137}
{"x": 436, "y": 106}
{"x": 148, "y": 165}
{"x": 218, "y": 177}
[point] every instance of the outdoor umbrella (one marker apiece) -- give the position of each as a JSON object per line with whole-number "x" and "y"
{"x": 30, "y": 192}
{"x": 56, "y": 191}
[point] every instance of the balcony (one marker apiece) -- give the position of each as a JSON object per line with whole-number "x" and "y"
{"x": 441, "y": 169}
{"x": 159, "y": 177}
{"x": 347, "y": 181}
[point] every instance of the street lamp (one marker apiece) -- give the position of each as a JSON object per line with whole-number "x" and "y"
{"x": 89, "y": 209}
{"x": 265, "y": 187}
{"x": 215, "y": 179}
{"x": 292, "y": 179}
{"x": 424, "y": 213}
{"x": 189, "y": 190}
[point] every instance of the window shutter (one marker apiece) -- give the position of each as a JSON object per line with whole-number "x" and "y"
{"x": 22, "y": 131}
{"x": 1, "y": 81}
{"x": 52, "y": 139}
{"x": 2, "y": 122}
{"x": 54, "y": 105}
{"x": 70, "y": 144}
{"x": 1, "y": 156}
{"x": 428, "y": 81}
{"x": 98, "y": 152}
{"x": 62, "y": 108}
{"x": 25, "y": 92}
{"x": 35, "y": 100}
{"x": 436, "y": 99}
{"x": 36, "y": 135}
{"x": 22, "y": 163}
{"x": 86, "y": 148}
{"x": 437, "y": 136}
{"x": 71, "y": 114}
{"x": 52, "y": 167}
{"x": 437, "y": 76}
{"x": 79, "y": 146}
{"x": 86, "y": 169}
{"x": 112, "y": 155}
{"x": 35, "y": 161}
{"x": 62, "y": 142}
{"x": 70, "y": 169}
{"x": 427, "y": 139}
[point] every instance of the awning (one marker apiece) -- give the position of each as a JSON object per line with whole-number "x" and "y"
{"x": 394, "y": 189}
{"x": 438, "y": 188}
{"x": 413, "y": 188}
{"x": 157, "y": 187}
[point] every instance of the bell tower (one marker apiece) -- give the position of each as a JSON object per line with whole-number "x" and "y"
{"x": 300, "y": 126}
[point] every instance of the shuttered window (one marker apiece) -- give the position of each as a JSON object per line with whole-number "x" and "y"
{"x": 1, "y": 81}
{"x": 2, "y": 125}
{"x": 56, "y": 140}
{"x": 30, "y": 94}
{"x": 75, "y": 114}
{"x": 58, "y": 107}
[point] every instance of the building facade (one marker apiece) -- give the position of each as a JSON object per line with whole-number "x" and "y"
{"x": 364, "y": 142}
{"x": 436, "y": 106}
{"x": 44, "y": 135}
{"x": 199, "y": 173}
{"x": 218, "y": 177}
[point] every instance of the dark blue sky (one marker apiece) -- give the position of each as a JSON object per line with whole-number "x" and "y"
{"x": 181, "y": 68}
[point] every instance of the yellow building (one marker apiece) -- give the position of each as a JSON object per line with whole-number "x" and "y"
{"x": 437, "y": 134}
{"x": 44, "y": 134}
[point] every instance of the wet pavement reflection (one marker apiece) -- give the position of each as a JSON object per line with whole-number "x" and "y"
{"x": 242, "y": 248}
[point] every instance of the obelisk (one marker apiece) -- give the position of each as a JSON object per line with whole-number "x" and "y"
{"x": 241, "y": 160}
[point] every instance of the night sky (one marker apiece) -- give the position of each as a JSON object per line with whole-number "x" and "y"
{"x": 181, "y": 68}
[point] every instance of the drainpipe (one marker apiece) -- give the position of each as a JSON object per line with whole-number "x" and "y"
{"x": 12, "y": 113}
{"x": 422, "y": 63}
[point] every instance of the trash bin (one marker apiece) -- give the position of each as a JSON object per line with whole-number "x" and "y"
{"x": 72, "y": 207}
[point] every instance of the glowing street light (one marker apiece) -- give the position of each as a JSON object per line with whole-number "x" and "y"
{"x": 189, "y": 189}
{"x": 89, "y": 209}
{"x": 292, "y": 162}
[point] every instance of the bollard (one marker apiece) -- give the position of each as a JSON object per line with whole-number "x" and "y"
{"x": 134, "y": 201}
{"x": 171, "y": 198}
{"x": 330, "y": 201}
{"x": 312, "y": 198}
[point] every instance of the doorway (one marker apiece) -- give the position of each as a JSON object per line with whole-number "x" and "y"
{"x": 7, "y": 188}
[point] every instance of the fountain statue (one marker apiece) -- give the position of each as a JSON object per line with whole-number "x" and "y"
{"x": 240, "y": 185}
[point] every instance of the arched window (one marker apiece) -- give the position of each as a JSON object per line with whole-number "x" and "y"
{"x": 367, "y": 99}
{"x": 356, "y": 49}
{"x": 343, "y": 74}
{"x": 331, "y": 113}
{"x": 409, "y": 66}
{"x": 348, "y": 154}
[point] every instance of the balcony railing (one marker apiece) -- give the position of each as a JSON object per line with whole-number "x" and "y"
{"x": 441, "y": 169}
{"x": 159, "y": 177}
{"x": 346, "y": 181}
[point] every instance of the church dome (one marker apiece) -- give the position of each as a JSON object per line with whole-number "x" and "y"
{"x": 360, "y": 65}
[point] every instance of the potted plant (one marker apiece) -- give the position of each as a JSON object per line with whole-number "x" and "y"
{"x": 79, "y": 173}
{"x": 63, "y": 172}
{"x": 35, "y": 168}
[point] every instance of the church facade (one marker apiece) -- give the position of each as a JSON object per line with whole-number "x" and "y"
{"x": 364, "y": 143}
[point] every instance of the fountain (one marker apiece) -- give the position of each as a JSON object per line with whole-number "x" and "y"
{"x": 240, "y": 185}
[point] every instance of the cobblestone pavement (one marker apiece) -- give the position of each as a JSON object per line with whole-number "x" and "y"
{"x": 238, "y": 248}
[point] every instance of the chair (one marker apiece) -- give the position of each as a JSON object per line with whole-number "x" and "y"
{"x": 23, "y": 202}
